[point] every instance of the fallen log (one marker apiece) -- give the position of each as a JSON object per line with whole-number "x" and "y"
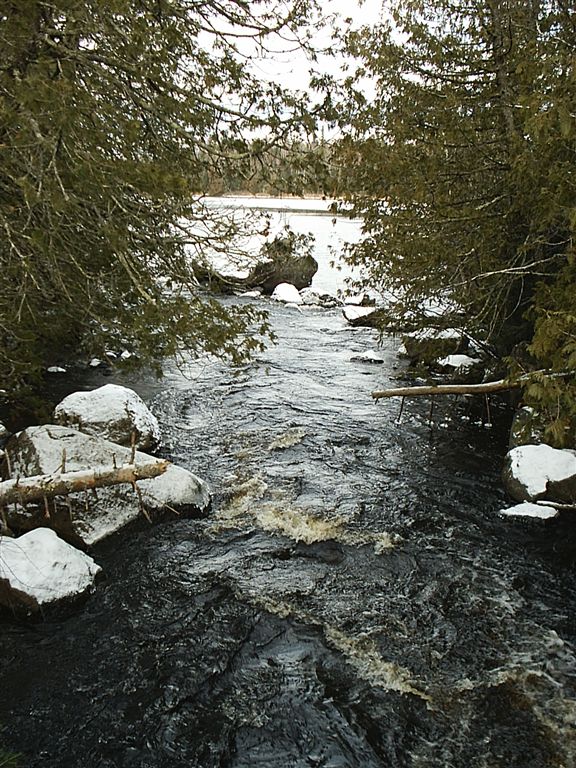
{"x": 448, "y": 389}
{"x": 23, "y": 490}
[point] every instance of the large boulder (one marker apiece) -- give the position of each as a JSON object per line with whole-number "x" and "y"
{"x": 83, "y": 519}
{"x": 113, "y": 412}
{"x": 534, "y": 472}
{"x": 39, "y": 570}
{"x": 283, "y": 258}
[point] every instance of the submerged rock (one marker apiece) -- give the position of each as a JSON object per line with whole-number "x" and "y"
{"x": 39, "y": 569}
{"x": 112, "y": 412}
{"x": 534, "y": 472}
{"x": 83, "y": 518}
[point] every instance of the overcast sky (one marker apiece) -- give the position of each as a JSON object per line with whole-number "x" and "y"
{"x": 292, "y": 68}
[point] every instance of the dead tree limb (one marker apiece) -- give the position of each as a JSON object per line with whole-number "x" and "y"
{"x": 467, "y": 389}
{"x": 447, "y": 389}
{"x": 23, "y": 490}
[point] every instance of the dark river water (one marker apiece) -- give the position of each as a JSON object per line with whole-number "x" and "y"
{"x": 352, "y": 600}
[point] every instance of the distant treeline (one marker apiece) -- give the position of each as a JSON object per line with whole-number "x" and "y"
{"x": 304, "y": 168}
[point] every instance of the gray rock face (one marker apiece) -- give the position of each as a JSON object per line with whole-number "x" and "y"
{"x": 283, "y": 268}
{"x": 83, "y": 519}
{"x": 534, "y": 472}
{"x": 427, "y": 345}
{"x": 39, "y": 569}
{"x": 112, "y": 412}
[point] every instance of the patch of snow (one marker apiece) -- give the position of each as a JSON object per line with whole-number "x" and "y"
{"x": 458, "y": 361}
{"x": 126, "y": 355}
{"x": 427, "y": 334}
{"x": 527, "y": 509}
{"x": 533, "y": 466}
{"x": 39, "y": 568}
{"x": 287, "y": 293}
{"x": 95, "y": 362}
{"x": 56, "y": 369}
{"x": 113, "y": 412}
{"x": 251, "y": 294}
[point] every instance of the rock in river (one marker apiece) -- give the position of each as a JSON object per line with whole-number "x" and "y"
{"x": 91, "y": 517}
{"x": 39, "y": 569}
{"x": 536, "y": 472}
{"x": 113, "y": 412}
{"x": 287, "y": 293}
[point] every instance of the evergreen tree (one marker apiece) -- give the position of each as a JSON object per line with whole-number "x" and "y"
{"x": 113, "y": 115}
{"x": 463, "y": 167}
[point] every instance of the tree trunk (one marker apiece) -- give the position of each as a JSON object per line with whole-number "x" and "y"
{"x": 448, "y": 389}
{"x": 28, "y": 489}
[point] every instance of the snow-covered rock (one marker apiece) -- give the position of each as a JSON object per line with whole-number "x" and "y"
{"x": 39, "y": 450}
{"x": 371, "y": 356}
{"x": 366, "y": 317}
{"x": 534, "y": 472}
{"x": 312, "y": 298}
{"x": 287, "y": 293}
{"x": 112, "y": 412}
{"x": 352, "y": 312}
{"x": 56, "y": 369}
{"x": 527, "y": 509}
{"x": 458, "y": 361}
{"x": 39, "y": 569}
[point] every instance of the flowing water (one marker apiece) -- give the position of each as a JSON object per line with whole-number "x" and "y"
{"x": 352, "y": 600}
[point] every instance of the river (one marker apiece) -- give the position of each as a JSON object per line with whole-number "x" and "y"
{"x": 353, "y": 599}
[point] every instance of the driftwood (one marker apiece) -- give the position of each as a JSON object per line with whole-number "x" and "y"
{"x": 448, "y": 389}
{"x": 23, "y": 490}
